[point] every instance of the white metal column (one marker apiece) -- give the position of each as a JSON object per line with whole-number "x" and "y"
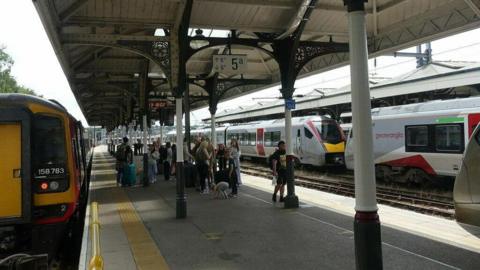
{"x": 365, "y": 199}
{"x": 213, "y": 137}
{"x": 145, "y": 149}
{"x": 367, "y": 231}
{"x": 179, "y": 116}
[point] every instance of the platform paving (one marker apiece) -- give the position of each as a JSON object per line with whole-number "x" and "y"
{"x": 250, "y": 232}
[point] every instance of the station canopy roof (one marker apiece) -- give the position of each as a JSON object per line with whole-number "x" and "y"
{"x": 104, "y": 46}
{"x": 433, "y": 76}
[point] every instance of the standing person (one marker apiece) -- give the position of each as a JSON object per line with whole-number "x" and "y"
{"x": 235, "y": 153}
{"x": 221, "y": 157}
{"x": 201, "y": 161}
{"x": 153, "y": 156}
{"x": 232, "y": 173}
{"x": 167, "y": 161}
{"x": 279, "y": 169}
{"x": 173, "y": 163}
{"x": 187, "y": 157}
{"x": 124, "y": 157}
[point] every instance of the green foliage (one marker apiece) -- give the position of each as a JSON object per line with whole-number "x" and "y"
{"x": 8, "y": 84}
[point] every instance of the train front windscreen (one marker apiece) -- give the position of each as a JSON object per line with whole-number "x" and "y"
{"x": 330, "y": 132}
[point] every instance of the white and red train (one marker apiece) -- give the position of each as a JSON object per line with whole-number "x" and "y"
{"x": 316, "y": 140}
{"x": 416, "y": 142}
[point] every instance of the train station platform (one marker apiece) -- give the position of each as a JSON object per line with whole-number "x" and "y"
{"x": 139, "y": 230}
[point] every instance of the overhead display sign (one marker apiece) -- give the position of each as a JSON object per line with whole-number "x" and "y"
{"x": 230, "y": 63}
{"x": 156, "y": 103}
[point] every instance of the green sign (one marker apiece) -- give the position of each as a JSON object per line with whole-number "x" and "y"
{"x": 446, "y": 120}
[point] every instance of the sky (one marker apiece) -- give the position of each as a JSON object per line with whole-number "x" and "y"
{"x": 37, "y": 67}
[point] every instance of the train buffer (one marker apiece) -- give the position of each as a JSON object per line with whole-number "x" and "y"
{"x": 139, "y": 230}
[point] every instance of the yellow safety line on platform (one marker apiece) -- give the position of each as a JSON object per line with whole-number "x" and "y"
{"x": 144, "y": 249}
{"x": 96, "y": 263}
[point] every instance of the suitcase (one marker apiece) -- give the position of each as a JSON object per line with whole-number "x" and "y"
{"x": 129, "y": 175}
{"x": 190, "y": 174}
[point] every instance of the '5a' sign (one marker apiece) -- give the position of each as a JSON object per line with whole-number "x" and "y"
{"x": 230, "y": 63}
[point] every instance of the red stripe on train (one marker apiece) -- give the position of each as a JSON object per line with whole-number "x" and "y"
{"x": 416, "y": 161}
{"x": 260, "y": 147}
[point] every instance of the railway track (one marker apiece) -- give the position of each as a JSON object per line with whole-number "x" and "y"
{"x": 419, "y": 201}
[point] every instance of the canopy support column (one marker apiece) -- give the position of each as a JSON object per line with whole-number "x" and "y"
{"x": 368, "y": 244}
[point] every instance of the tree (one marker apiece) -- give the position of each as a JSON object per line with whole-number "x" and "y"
{"x": 8, "y": 84}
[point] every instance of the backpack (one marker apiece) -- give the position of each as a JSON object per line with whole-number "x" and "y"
{"x": 122, "y": 153}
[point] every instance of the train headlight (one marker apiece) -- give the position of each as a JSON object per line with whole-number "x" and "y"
{"x": 44, "y": 186}
{"x": 54, "y": 185}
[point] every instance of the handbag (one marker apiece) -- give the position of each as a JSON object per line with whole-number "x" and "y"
{"x": 274, "y": 180}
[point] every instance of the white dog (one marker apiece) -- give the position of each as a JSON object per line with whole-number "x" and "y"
{"x": 220, "y": 190}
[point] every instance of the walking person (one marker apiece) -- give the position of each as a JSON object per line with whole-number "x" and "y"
{"x": 236, "y": 153}
{"x": 201, "y": 161}
{"x": 153, "y": 156}
{"x": 124, "y": 157}
{"x": 279, "y": 169}
{"x": 167, "y": 161}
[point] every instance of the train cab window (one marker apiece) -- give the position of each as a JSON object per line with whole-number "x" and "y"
{"x": 48, "y": 149}
{"x": 308, "y": 134}
{"x": 449, "y": 138}
{"x": 330, "y": 132}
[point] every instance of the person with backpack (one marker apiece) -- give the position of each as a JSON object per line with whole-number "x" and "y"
{"x": 124, "y": 157}
{"x": 278, "y": 162}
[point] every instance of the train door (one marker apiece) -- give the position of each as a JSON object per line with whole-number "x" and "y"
{"x": 298, "y": 143}
{"x": 260, "y": 144}
{"x": 15, "y": 180}
{"x": 310, "y": 147}
{"x": 10, "y": 167}
{"x": 473, "y": 120}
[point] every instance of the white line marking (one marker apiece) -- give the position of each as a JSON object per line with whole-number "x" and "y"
{"x": 350, "y": 231}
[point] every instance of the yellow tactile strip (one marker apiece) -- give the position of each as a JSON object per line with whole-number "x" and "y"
{"x": 144, "y": 250}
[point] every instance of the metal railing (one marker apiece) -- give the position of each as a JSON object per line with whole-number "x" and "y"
{"x": 96, "y": 262}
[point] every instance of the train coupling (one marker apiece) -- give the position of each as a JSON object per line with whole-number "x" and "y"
{"x": 334, "y": 159}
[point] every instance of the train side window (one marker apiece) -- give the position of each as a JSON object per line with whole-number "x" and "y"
{"x": 308, "y": 134}
{"x": 416, "y": 138}
{"x": 449, "y": 138}
{"x": 268, "y": 139}
{"x": 276, "y": 137}
{"x": 252, "y": 139}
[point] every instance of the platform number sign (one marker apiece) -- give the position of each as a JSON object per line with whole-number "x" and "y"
{"x": 233, "y": 64}
{"x": 290, "y": 104}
